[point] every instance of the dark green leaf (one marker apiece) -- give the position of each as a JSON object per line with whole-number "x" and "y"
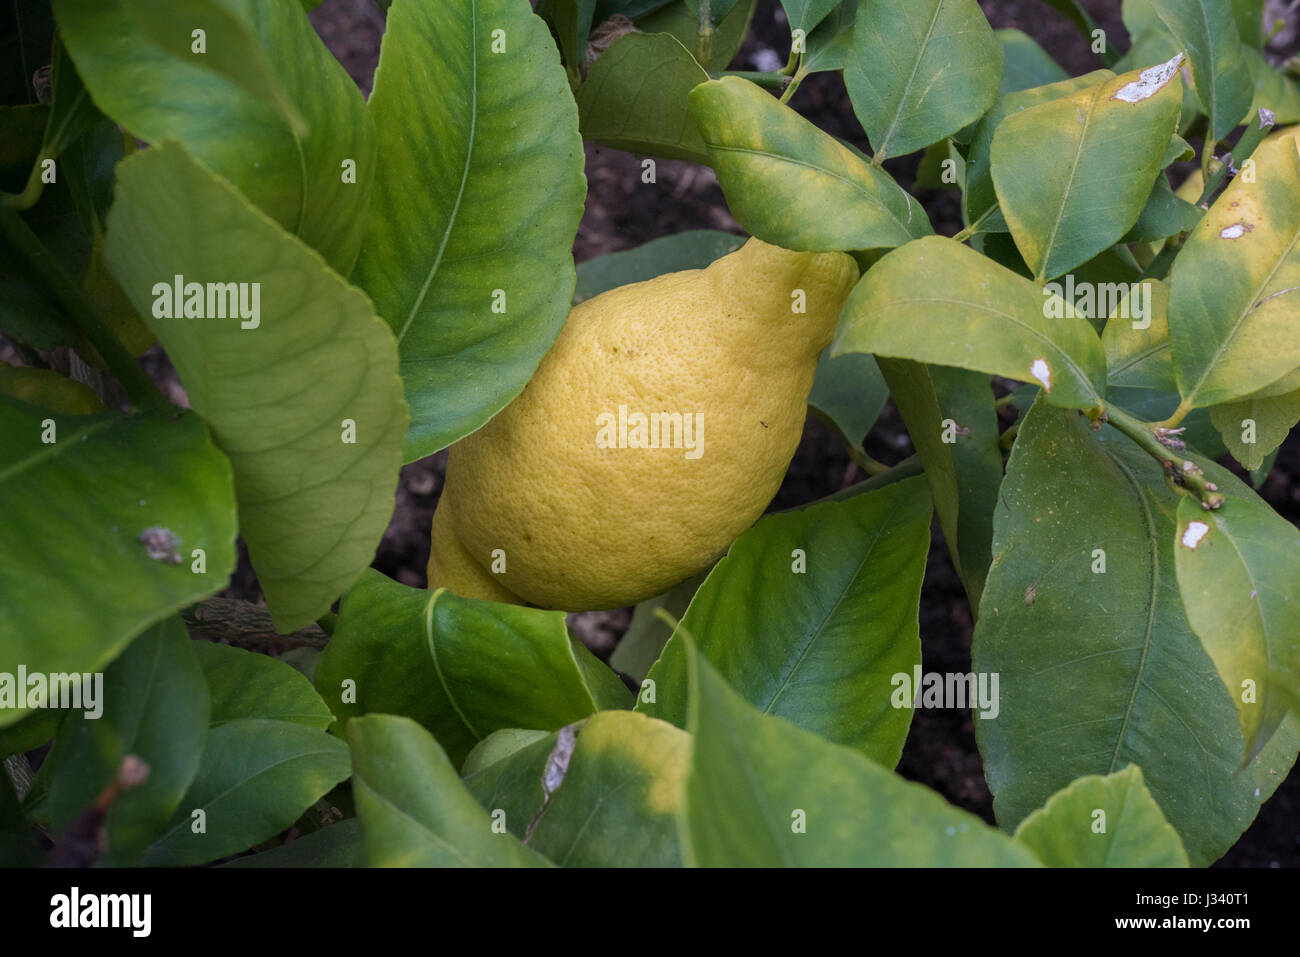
{"x": 952, "y": 423}
{"x": 256, "y": 778}
{"x": 812, "y": 616}
{"x": 1099, "y": 669}
{"x": 247, "y": 685}
{"x": 635, "y": 98}
{"x": 462, "y": 668}
{"x": 763, "y": 793}
{"x": 154, "y": 706}
{"x": 414, "y": 810}
{"x": 338, "y": 845}
{"x": 692, "y": 249}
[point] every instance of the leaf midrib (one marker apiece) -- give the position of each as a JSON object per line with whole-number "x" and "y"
{"x": 464, "y": 175}
{"x": 1065, "y": 357}
{"x": 907, "y": 88}
{"x": 870, "y": 197}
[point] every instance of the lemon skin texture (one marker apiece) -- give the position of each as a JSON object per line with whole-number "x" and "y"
{"x": 581, "y": 526}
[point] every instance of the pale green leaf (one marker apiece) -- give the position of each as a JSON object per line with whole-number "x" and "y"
{"x": 919, "y": 71}
{"x": 1103, "y": 821}
{"x": 307, "y": 404}
{"x": 982, "y": 316}
{"x": 792, "y": 185}
{"x": 477, "y": 201}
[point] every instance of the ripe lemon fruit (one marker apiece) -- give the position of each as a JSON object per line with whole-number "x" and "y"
{"x": 656, "y": 430}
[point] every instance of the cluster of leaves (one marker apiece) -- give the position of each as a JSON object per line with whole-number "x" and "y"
{"x": 1135, "y": 598}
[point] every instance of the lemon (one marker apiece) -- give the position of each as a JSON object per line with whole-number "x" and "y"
{"x": 656, "y": 430}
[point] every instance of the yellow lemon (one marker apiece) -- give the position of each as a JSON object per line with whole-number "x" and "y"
{"x": 654, "y": 432}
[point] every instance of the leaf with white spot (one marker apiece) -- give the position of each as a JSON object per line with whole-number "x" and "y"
{"x": 982, "y": 316}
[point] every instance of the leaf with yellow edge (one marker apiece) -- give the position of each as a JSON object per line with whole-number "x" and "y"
{"x": 1073, "y": 175}
{"x": 1234, "y": 301}
{"x": 982, "y": 316}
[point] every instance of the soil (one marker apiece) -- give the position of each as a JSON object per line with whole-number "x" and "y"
{"x": 623, "y": 212}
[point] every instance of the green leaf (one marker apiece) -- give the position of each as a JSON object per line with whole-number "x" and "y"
{"x": 31, "y": 732}
{"x": 153, "y": 705}
{"x": 79, "y": 579}
{"x": 1103, "y": 821}
{"x": 951, "y": 420}
{"x": 1136, "y": 339}
{"x": 692, "y": 249}
{"x": 468, "y": 253}
{"x": 1263, "y": 420}
{"x": 248, "y": 685}
{"x": 811, "y": 616}
{"x": 499, "y": 746}
{"x": 278, "y": 395}
{"x": 1099, "y": 669}
{"x": 1067, "y": 192}
{"x": 792, "y": 185}
{"x": 230, "y": 49}
{"x": 1163, "y": 215}
{"x": 414, "y": 810}
{"x": 607, "y": 793}
{"x": 1207, "y": 31}
{"x": 1237, "y": 571}
{"x": 1249, "y": 15}
{"x": 462, "y": 668}
{"x": 684, "y": 23}
{"x": 984, "y": 317}
{"x": 763, "y": 793}
{"x": 18, "y": 847}
{"x": 571, "y": 21}
{"x": 980, "y": 199}
{"x": 296, "y": 178}
{"x": 1274, "y": 90}
{"x": 49, "y": 390}
{"x": 634, "y": 98}
{"x": 805, "y": 15}
{"x": 1025, "y": 64}
{"x": 1236, "y": 282}
{"x": 645, "y": 638}
{"x": 338, "y": 845}
{"x": 920, "y": 71}
{"x": 827, "y": 46}
{"x": 1077, "y": 14}
{"x": 848, "y": 393}
{"x": 256, "y": 778}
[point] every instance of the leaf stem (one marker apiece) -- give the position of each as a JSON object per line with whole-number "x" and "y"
{"x": 140, "y": 389}
{"x": 1180, "y": 413}
{"x": 793, "y": 85}
{"x": 1250, "y": 139}
{"x": 1162, "y": 443}
{"x": 704, "y": 37}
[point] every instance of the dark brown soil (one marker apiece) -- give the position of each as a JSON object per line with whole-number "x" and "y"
{"x": 623, "y": 212}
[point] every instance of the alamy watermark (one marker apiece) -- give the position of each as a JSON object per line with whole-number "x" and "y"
{"x": 79, "y": 691}
{"x": 933, "y": 690}
{"x": 656, "y": 430}
{"x": 1098, "y": 300}
{"x": 179, "y": 299}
